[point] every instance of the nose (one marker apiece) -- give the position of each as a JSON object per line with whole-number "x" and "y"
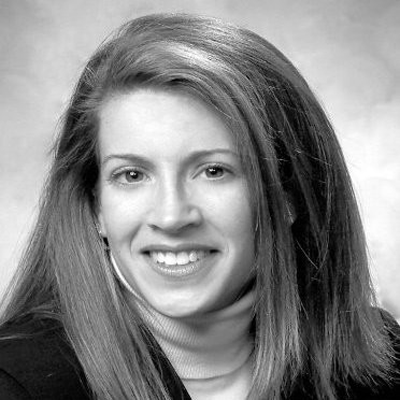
{"x": 173, "y": 211}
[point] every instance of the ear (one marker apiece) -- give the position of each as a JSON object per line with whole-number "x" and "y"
{"x": 101, "y": 224}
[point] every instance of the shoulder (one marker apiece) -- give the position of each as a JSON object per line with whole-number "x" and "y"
{"x": 392, "y": 326}
{"x": 384, "y": 390}
{"x": 37, "y": 362}
{"x": 378, "y": 390}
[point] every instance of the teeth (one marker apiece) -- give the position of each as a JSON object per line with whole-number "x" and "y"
{"x": 154, "y": 256}
{"x": 181, "y": 258}
{"x": 192, "y": 256}
{"x": 170, "y": 259}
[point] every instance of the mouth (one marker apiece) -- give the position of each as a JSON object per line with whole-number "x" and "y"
{"x": 178, "y": 258}
{"x": 179, "y": 263}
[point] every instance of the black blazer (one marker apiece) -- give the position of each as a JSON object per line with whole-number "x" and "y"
{"x": 44, "y": 367}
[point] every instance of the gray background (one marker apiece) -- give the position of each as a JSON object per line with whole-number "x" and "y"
{"x": 349, "y": 51}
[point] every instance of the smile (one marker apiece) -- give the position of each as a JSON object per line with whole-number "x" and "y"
{"x": 178, "y": 258}
{"x": 180, "y": 262}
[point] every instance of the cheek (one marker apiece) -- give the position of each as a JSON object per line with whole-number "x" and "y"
{"x": 118, "y": 216}
{"x": 232, "y": 214}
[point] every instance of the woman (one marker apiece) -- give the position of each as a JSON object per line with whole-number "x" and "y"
{"x": 198, "y": 237}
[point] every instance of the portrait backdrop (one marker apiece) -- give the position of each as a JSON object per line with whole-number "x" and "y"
{"x": 348, "y": 50}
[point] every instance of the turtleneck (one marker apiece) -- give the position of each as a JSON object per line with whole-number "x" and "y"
{"x": 210, "y": 352}
{"x": 207, "y": 345}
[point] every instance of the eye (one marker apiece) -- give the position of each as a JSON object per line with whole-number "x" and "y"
{"x": 133, "y": 176}
{"x": 215, "y": 171}
{"x": 128, "y": 176}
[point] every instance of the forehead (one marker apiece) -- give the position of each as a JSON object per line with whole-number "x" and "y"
{"x": 158, "y": 120}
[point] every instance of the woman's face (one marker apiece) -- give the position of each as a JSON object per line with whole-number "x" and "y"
{"x": 173, "y": 201}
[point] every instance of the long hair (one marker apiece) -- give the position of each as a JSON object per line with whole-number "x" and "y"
{"x": 313, "y": 314}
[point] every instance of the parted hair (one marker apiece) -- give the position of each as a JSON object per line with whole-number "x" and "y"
{"x": 313, "y": 314}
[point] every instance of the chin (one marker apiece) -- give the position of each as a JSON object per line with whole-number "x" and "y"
{"x": 180, "y": 310}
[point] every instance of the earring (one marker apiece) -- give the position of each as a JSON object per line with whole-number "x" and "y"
{"x": 120, "y": 275}
{"x": 103, "y": 238}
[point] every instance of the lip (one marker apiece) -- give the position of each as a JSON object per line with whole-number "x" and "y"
{"x": 176, "y": 248}
{"x": 181, "y": 271}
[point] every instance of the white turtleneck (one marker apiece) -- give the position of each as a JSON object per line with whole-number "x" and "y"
{"x": 212, "y": 352}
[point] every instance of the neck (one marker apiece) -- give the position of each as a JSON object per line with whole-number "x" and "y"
{"x": 207, "y": 345}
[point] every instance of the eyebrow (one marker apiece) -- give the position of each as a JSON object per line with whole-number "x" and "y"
{"x": 192, "y": 157}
